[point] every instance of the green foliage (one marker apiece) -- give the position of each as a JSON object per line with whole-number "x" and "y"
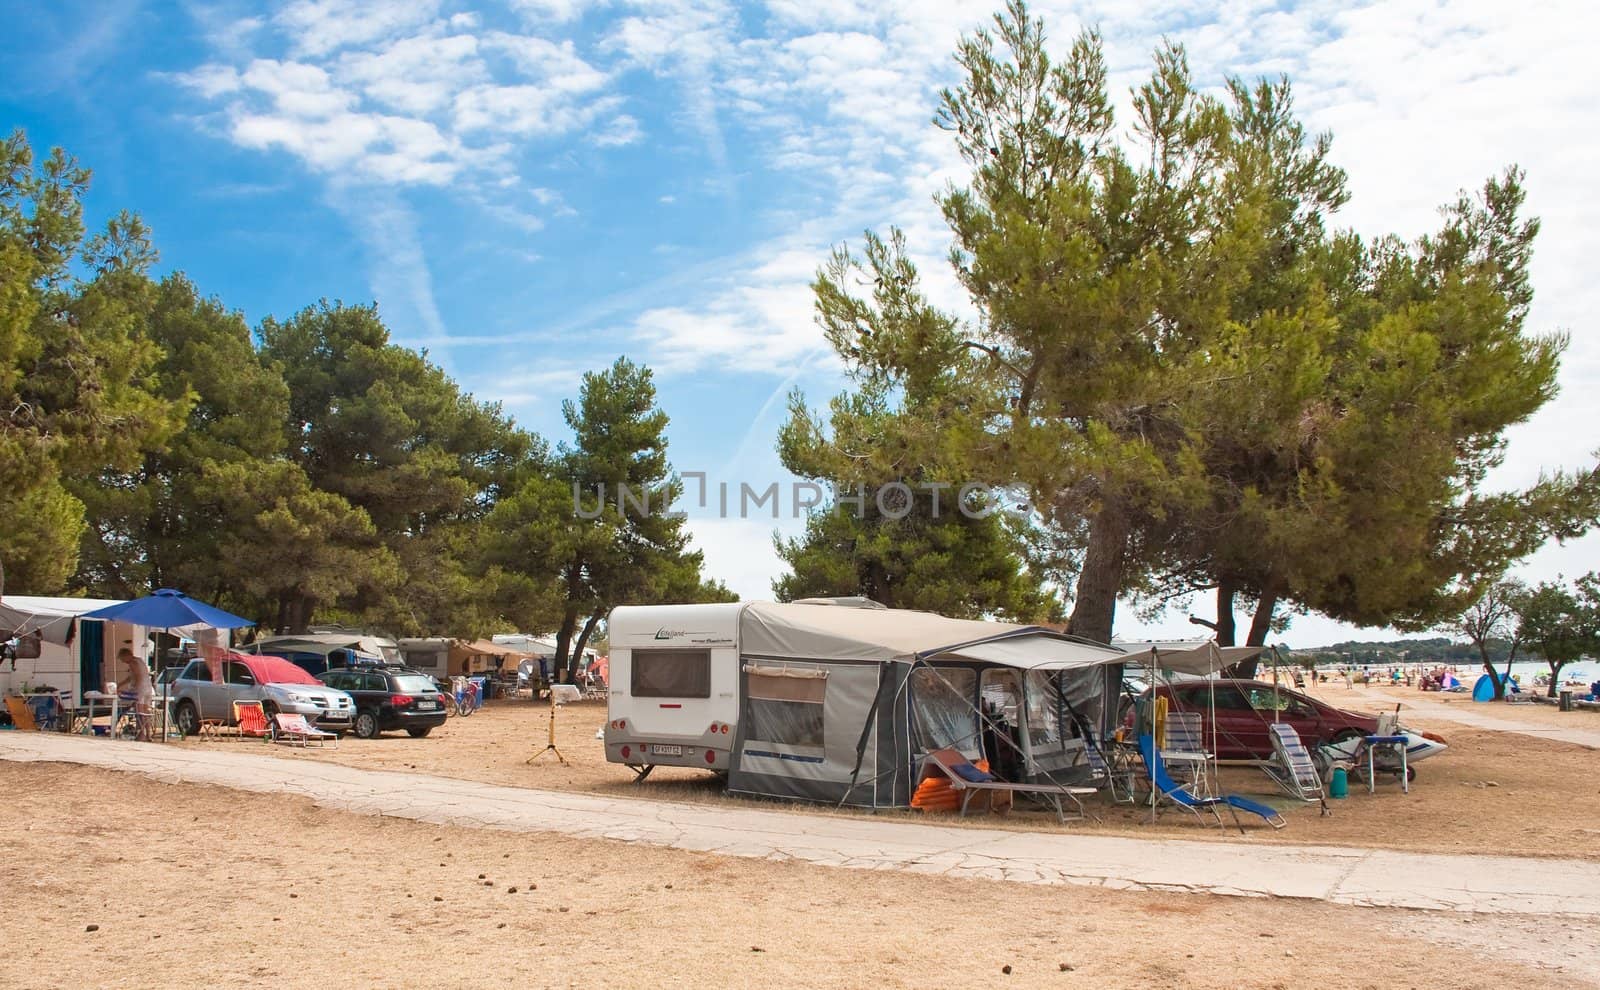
{"x": 1560, "y": 623}
{"x": 953, "y": 563}
{"x": 388, "y": 434}
{"x": 162, "y": 524}
{"x": 79, "y": 389}
{"x": 1199, "y": 384}
{"x": 567, "y": 546}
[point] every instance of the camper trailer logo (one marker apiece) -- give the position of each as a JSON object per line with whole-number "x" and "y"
{"x": 665, "y": 633}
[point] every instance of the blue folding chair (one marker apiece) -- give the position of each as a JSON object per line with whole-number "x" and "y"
{"x": 1179, "y": 795}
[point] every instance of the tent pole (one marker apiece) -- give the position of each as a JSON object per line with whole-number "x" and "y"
{"x": 1216, "y": 667}
{"x": 1155, "y": 666}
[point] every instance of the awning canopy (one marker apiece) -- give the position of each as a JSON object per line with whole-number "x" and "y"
{"x": 320, "y": 644}
{"x": 797, "y": 631}
{"x": 22, "y": 615}
{"x": 1186, "y": 656}
{"x": 482, "y": 647}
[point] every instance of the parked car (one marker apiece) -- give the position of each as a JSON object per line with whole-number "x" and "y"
{"x": 279, "y": 685}
{"x": 389, "y": 698}
{"x": 1245, "y": 711}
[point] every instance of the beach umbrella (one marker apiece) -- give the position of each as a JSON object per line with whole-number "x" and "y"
{"x": 169, "y": 609}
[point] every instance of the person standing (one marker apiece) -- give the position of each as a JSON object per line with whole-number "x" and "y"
{"x": 136, "y": 681}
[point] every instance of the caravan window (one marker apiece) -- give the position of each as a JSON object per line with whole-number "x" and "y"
{"x": 672, "y": 673}
{"x": 941, "y": 708}
{"x": 785, "y": 706}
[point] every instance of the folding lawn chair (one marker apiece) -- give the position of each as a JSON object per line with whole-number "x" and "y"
{"x": 21, "y": 713}
{"x": 1185, "y": 750}
{"x": 1175, "y": 793}
{"x": 1293, "y": 771}
{"x": 296, "y": 731}
{"x": 252, "y": 720}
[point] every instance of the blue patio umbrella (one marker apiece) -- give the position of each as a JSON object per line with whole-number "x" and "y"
{"x": 168, "y": 608}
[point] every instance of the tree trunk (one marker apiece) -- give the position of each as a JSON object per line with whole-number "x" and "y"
{"x": 1555, "y": 676}
{"x": 1488, "y": 666}
{"x": 1261, "y": 622}
{"x": 583, "y": 640}
{"x": 1225, "y": 629}
{"x": 569, "y": 623}
{"x": 1511, "y": 657}
{"x": 1260, "y": 626}
{"x": 1094, "y": 604}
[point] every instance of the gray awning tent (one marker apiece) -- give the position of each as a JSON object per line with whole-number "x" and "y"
{"x": 1197, "y": 657}
{"x": 896, "y": 684}
{"x": 52, "y": 618}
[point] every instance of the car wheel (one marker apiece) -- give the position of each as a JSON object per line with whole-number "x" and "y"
{"x": 366, "y": 724}
{"x": 268, "y": 710}
{"x": 419, "y": 733}
{"x": 1346, "y": 735}
{"x": 188, "y": 718}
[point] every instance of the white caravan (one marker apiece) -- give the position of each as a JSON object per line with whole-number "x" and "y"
{"x": 674, "y": 686}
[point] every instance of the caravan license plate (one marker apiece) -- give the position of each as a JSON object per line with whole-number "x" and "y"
{"x": 661, "y": 750}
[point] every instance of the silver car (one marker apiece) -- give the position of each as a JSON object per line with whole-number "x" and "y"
{"x": 279, "y": 685}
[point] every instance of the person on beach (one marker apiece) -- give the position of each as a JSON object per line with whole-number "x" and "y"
{"x": 136, "y": 681}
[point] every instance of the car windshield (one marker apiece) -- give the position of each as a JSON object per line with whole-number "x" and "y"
{"x": 414, "y": 683}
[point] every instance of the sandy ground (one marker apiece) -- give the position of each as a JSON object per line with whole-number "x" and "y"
{"x": 1532, "y": 713}
{"x": 1490, "y": 792}
{"x": 199, "y": 886}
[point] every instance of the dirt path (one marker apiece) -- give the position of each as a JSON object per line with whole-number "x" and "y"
{"x": 201, "y": 886}
{"x": 1478, "y": 884}
{"x": 1491, "y": 791}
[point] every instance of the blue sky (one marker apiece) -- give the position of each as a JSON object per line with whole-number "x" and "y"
{"x": 530, "y": 188}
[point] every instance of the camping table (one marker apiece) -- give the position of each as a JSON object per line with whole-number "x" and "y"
{"x": 91, "y": 698}
{"x": 1370, "y": 745}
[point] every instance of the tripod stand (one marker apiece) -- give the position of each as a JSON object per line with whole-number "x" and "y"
{"x": 550, "y": 747}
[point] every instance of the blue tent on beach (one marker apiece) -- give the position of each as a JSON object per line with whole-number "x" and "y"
{"x": 1483, "y": 690}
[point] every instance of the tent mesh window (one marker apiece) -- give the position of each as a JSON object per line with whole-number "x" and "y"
{"x": 942, "y": 712}
{"x": 785, "y": 706}
{"x": 671, "y": 673}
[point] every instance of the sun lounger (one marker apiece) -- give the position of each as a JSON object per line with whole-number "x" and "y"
{"x": 969, "y": 781}
{"x": 1292, "y": 769}
{"x": 296, "y": 731}
{"x": 1176, "y": 794}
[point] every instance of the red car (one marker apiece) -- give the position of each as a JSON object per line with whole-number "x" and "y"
{"x": 1245, "y": 710}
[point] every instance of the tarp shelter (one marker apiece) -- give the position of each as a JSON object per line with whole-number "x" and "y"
{"x": 312, "y": 650}
{"x": 840, "y": 704}
{"x": 1195, "y": 657}
{"x": 75, "y": 655}
{"x": 480, "y": 656}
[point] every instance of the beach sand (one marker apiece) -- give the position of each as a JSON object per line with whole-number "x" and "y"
{"x": 201, "y": 886}
{"x": 1491, "y": 792}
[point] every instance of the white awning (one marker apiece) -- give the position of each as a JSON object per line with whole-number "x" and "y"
{"x": 22, "y": 615}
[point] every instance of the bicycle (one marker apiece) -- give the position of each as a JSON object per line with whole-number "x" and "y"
{"x": 468, "y": 700}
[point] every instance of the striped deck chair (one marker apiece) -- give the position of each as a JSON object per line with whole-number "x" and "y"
{"x": 1176, "y": 794}
{"x": 1292, "y": 769}
{"x": 252, "y": 720}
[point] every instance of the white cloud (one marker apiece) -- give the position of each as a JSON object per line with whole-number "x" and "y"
{"x": 318, "y": 27}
